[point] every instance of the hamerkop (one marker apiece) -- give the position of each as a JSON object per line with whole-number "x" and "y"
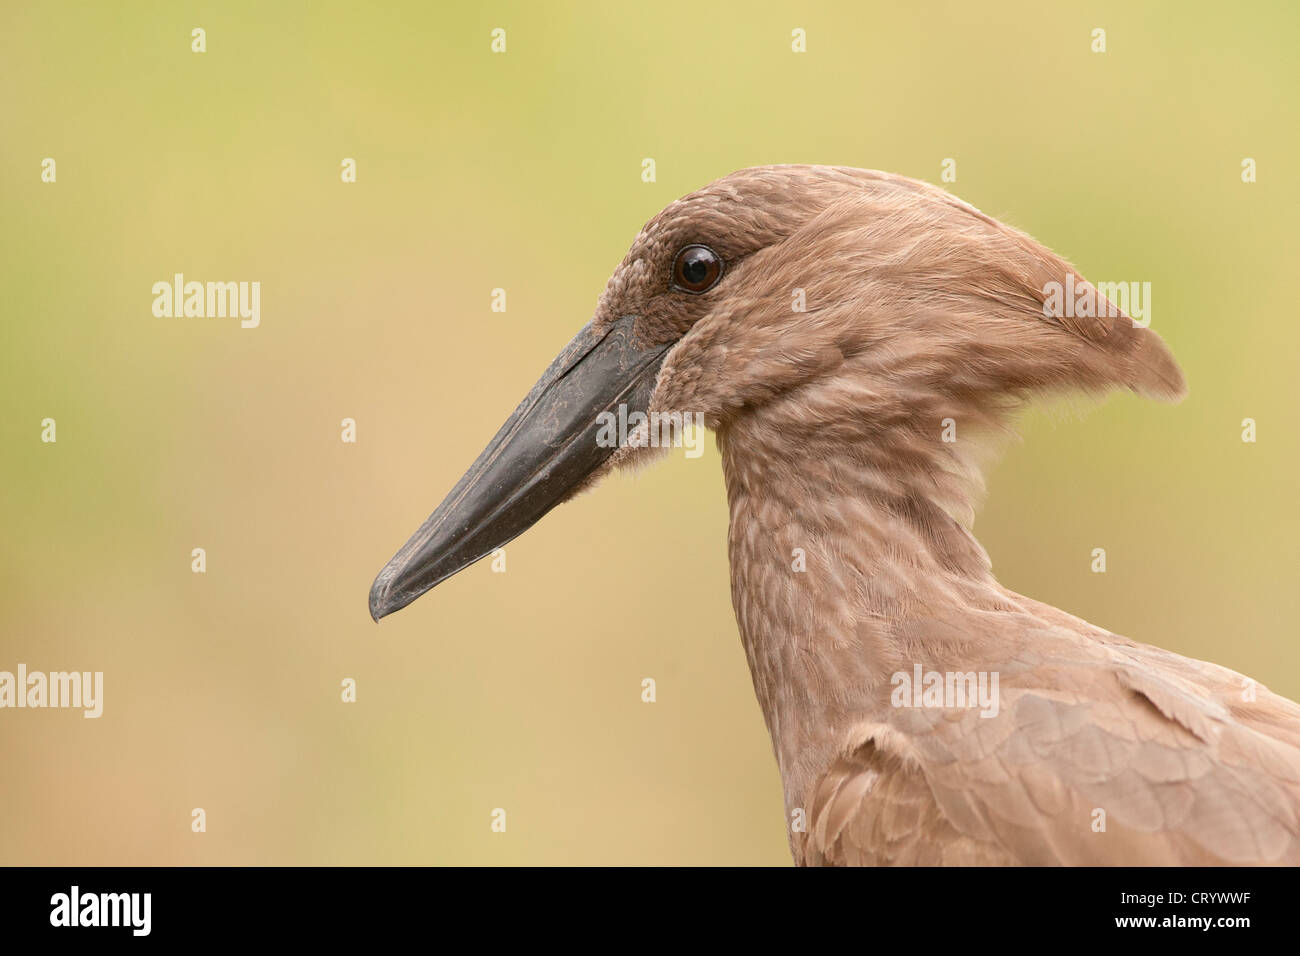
{"x": 838, "y": 329}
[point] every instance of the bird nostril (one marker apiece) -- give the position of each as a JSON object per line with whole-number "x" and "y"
{"x": 697, "y": 269}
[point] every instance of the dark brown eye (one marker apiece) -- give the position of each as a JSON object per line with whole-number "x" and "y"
{"x": 697, "y": 269}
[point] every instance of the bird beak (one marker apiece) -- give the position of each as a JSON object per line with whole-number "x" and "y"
{"x": 543, "y": 452}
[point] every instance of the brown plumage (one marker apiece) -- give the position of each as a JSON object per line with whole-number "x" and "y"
{"x": 921, "y": 312}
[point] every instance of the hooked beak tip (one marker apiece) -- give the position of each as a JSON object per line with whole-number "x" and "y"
{"x": 381, "y": 602}
{"x": 395, "y": 587}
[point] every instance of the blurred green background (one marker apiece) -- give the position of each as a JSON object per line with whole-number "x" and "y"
{"x": 523, "y": 171}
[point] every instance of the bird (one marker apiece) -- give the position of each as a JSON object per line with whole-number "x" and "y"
{"x": 859, "y": 343}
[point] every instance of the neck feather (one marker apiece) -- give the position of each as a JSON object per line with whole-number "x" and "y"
{"x": 844, "y": 536}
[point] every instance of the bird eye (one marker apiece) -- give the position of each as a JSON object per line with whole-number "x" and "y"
{"x": 697, "y": 269}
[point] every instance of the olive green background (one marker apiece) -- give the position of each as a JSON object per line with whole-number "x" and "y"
{"x": 522, "y": 171}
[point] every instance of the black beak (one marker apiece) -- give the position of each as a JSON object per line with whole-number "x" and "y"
{"x": 545, "y": 450}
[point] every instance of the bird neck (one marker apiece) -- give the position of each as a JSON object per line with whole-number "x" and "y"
{"x": 837, "y": 540}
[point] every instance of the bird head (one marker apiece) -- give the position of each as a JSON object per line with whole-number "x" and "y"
{"x": 790, "y": 308}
